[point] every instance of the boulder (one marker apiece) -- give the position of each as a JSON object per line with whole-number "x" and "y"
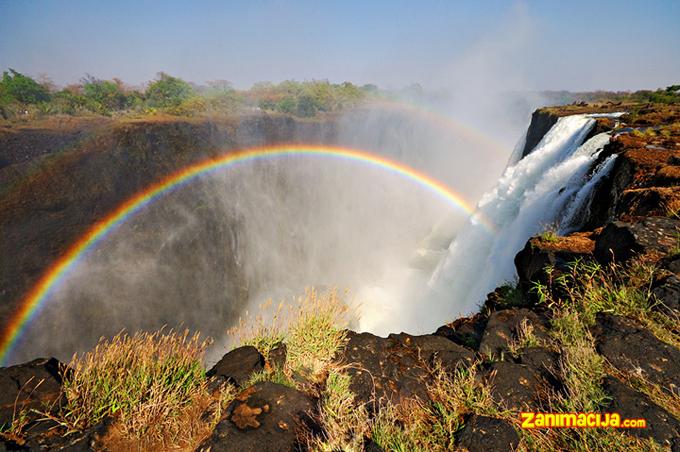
{"x": 544, "y": 361}
{"x": 277, "y": 356}
{"x": 504, "y": 326}
{"x": 620, "y": 241}
{"x": 632, "y": 348}
{"x": 666, "y": 293}
{"x": 539, "y": 253}
{"x": 483, "y": 433}
{"x": 466, "y": 331}
{"x": 631, "y": 404}
{"x": 266, "y": 416}
{"x": 238, "y": 365}
{"x": 515, "y": 386}
{"x": 395, "y": 368}
{"x": 645, "y": 202}
{"x": 27, "y": 386}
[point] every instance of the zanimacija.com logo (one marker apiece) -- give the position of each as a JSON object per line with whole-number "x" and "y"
{"x": 531, "y": 420}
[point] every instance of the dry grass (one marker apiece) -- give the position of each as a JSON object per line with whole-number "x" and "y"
{"x": 345, "y": 425}
{"x": 312, "y": 327}
{"x": 152, "y": 384}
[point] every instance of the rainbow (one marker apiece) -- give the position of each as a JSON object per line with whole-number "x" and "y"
{"x": 56, "y": 273}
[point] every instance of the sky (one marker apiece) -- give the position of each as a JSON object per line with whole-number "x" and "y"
{"x": 514, "y": 45}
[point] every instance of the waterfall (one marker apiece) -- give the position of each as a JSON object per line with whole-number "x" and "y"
{"x": 551, "y": 187}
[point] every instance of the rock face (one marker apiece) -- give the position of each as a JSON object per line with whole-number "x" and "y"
{"x": 620, "y": 241}
{"x": 632, "y": 348}
{"x": 394, "y": 368}
{"x": 541, "y": 122}
{"x": 504, "y": 327}
{"x": 238, "y": 365}
{"x": 28, "y": 386}
{"x": 266, "y": 416}
{"x": 661, "y": 425}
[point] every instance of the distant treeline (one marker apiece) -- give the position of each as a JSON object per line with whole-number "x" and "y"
{"x": 668, "y": 95}
{"x": 23, "y": 95}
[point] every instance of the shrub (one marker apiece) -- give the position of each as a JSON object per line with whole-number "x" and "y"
{"x": 22, "y": 88}
{"x": 168, "y": 91}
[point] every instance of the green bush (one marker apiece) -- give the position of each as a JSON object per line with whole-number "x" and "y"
{"x": 168, "y": 91}
{"x": 19, "y": 87}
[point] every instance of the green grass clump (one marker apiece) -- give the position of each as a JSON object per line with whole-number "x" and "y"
{"x": 345, "y": 425}
{"x": 146, "y": 381}
{"x": 312, "y": 327}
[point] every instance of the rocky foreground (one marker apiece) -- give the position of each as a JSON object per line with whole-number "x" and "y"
{"x": 624, "y": 292}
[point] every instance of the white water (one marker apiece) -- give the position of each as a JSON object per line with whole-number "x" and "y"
{"x": 551, "y": 187}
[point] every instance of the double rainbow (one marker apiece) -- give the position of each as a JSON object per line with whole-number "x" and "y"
{"x": 57, "y": 272}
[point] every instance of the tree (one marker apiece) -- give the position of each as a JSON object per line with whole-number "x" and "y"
{"x": 23, "y": 88}
{"x": 107, "y": 95}
{"x": 168, "y": 91}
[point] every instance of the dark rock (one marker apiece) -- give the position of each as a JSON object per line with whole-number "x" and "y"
{"x": 541, "y": 122}
{"x": 544, "y": 361}
{"x": 631, "y": 404}
{"x": 632, "y": 348}
{"x": 483, "y": 433}
{"x": 372, "y": 446}
{"x": 674, "y": 266}
{"x": 277, "y": 356}
{"x": 667, "y": 295}
{"x": 27, "y": 386}
{"x": 465, "y": 331}
{"x": 620, "y": 241}
{"x": 516, "y": 386}
{"x": 394, "y": 368}
{"x": 267, "y": 416}
{"x": 537, "y": 254}
{"x": 504, "y": 326}
{"x": 238, "y": 365}
{"x": 647, "y": 202}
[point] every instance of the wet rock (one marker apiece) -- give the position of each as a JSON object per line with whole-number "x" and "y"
{"x": 238, "y": 365}
{"x": 541, "y": 123}
{"x": 504, "y": 327}
{"x": 465, "y": 331}
{"x": 667, "y": 295}
{"x": 483, "y": 433}
{"x": 27, "y": 386}
{"x": 620, "y": 241}
{"x": 516, "y": 386}
{"x": 661, "y": 425}
{"x": 267, "y": 416}
{"x": 632, "y": 348}
{"x": 394, "y": 368}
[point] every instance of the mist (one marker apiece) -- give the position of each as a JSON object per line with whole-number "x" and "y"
{"x": 204, "y": 255}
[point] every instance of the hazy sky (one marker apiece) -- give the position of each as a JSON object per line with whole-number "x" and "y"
{"x": 544, "y": 44}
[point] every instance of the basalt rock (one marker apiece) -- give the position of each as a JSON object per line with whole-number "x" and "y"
{"x": 483, "y": 433}
{"x": 238, "y": 365}
{"x": 267, "y": 416}
{"x": 32, "y": 385}
{"x": 516, "y": 386}
{"x": 395, "y": 368}
{"x": 506, "y": 326}
{"x": 619, "y": 241}
{"x": 633, "y": 349}
{"x": 666, "y": 293}
{"x": 539, "y": 253}
{"x": 631, "y": 404}
{"x": 541, "y": 123}
{"x": 465, "y": 331}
